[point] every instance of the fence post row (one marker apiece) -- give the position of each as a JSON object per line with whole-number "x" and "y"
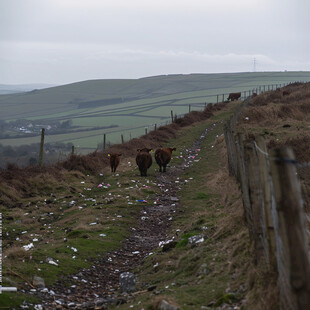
{"x": 173, "y": 116}
{"x": 273, "y": 211}
{"x": 292, "y": 228}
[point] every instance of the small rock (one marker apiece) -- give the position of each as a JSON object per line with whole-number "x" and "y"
{"x": 151, "y": 288}
{"x": 38, "y": 282}
{"x": 127, "y": 282}
{"x": 88, "y": 305}
{"x": 169, "y": 246}
{"x": 164, "y": 305}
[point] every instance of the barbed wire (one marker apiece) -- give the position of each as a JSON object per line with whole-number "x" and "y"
{"x": 283, "y": 160}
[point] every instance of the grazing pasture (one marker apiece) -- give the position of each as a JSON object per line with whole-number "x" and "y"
{"x": 115, "y": 107}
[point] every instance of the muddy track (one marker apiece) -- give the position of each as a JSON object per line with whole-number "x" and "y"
{"x": 98, "y": 286}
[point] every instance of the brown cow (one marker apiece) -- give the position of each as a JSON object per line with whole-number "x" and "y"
{"x": 163, "y": 157}
{"x": 114, "y": 161}
{"x": 285, "y": 93}
{"x": 234, "y": 96}
{"x": 144, "y": 160}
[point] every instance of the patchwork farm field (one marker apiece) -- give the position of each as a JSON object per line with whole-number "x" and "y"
{"x": 122, "y": 107}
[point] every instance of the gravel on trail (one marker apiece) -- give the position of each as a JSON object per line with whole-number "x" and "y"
{"x": 99, "y": 286}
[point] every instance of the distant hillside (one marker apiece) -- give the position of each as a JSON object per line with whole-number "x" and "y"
{"x": 149, "y": 87}
{"x": 81, "y": 113}
{"x": 20, "y": 88}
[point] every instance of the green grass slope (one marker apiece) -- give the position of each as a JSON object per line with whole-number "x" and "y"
{"x": 131, "y": 105}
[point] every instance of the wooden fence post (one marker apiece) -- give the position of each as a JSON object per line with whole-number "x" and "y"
{"x": 264, "y": 170}
{"x": 217, "y": 98}
{"x": 155, "y": 128}
{"x": 41, "y": 147}
{"x": 104, "y": 141}
{"x": 223, "y": 98}
{"x": 146, "y": 130}
{"x": 292, "y": 230}
{"x": 256, "y": 199}
{"x": 72, "y": 150}
{"x": 171, "y": 116}
{"x": 243, "y": 179}
{"x": 122, "y": 138}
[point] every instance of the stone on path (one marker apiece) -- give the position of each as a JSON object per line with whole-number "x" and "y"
{"x": 127, "y": 282}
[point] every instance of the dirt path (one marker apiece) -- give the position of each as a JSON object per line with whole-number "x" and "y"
{"x": 98, "y": 286}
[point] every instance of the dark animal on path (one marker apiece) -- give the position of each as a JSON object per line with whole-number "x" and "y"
{"x": 234, "y": 96}
{"x": 163, "y": 157}
{"x": 114, "y": 161}
{"x": 285, "y": 93}
{"x": 144, "y": 160}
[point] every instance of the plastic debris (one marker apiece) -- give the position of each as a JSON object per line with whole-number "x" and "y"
{"x": 28, "y": 246}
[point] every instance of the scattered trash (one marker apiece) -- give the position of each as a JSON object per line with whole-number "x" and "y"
{"x": 142, "y": 200}
{"x": 28, "y": 246}
{"x": 196, "y": 239}
{"x": 51, "y": 261}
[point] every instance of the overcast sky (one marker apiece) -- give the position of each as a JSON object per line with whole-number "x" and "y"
{"x": 64, "y": 41}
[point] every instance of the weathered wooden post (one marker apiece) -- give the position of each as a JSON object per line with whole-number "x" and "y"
{"x": 146, "y": 130}
{"x": 122, "y": 138}
{"x": 217, "y": 98}
{"x": 104, "y": 141}
{"x": 256, "y": 199}
{"x": 41, "y": 148}
{"x": 264, "y": 171}
{"x": 294, "y": 271}
{"x": 155, "y": 127}
{"x": 171, "y": 116}
{"x": 223, "y": 98}
{"x": 72, "y": 150}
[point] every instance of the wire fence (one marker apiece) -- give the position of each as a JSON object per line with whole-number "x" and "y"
{"x": 58, "y": 147}
{"x": 274, "y": 211}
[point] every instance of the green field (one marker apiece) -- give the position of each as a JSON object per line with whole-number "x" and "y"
{"x": 131, "y": 105}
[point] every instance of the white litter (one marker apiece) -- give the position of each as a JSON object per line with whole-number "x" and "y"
{"x": 28, "y": 246}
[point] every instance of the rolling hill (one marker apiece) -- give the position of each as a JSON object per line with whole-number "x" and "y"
{"x": 120, "y": 106}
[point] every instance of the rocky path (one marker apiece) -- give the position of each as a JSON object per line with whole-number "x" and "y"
{"x": 99, "y": 286}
